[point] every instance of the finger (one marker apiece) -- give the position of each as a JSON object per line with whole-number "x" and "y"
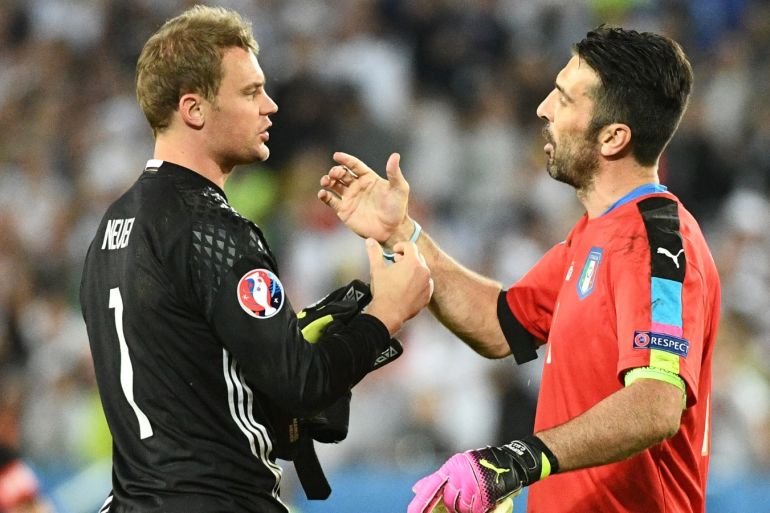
{"x": 393, "y": 171}
{"x": 431, "y": 504}
{"x": 333, "y": 185}
{"x": 374, "y": 251}
{"x": 436, "y": 505}
{"x": 408, "y": 249}
{"x": 428, "y": 492}
{"x": 452, "y": 500}
{"x": 330, "y": 199}
{"x": 432, "y": 287}
{"x": 352, "y": 163}
{"x": 342, "y": 174}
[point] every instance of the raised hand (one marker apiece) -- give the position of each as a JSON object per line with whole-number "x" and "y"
{"x": 399, "y": 290}
{"x": 369, "y": 205}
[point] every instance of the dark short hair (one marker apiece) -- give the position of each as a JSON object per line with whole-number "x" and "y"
{"x": 645, "y": 82}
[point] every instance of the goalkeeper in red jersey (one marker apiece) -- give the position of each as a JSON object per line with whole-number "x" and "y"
{"x": 627, "y": 305}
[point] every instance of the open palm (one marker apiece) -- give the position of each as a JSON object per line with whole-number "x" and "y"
{"x": 369, "y": 205}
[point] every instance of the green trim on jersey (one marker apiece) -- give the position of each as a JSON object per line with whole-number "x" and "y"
{"x": 655, "y": 373}
{"x": 664, "y": 361}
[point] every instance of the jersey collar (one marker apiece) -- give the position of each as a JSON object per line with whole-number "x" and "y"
{"x": 642, "y": 190}
{"x": 157, "y": 165}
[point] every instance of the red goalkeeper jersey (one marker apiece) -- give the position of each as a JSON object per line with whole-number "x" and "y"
{"x": 635, "y": 287}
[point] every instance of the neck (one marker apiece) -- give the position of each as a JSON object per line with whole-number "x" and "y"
{"x": 190, "y": 153}
{"x": 612, "y": 183}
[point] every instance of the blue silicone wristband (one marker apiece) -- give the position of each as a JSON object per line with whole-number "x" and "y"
{"x": 387, "y": 255}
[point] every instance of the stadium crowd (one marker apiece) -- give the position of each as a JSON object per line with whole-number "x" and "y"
{"x": 452, "y": 85}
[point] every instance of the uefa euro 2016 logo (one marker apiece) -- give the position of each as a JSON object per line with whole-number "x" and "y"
{"x": 260, "y": 293}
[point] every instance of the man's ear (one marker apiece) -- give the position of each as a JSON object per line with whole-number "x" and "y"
{"x": 191, "y": 110}
{"x": 614, "y": 139}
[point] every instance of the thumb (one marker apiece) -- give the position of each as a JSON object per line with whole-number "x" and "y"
{"x": 393, "y": 170}
{"x": 374, "y": 251}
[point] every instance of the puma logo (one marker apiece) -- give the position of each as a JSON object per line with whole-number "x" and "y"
{"x": 675, "y": 258}
{"x": 484, "y": 463}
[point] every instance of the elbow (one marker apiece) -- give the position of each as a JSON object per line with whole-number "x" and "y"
{"x": 666, "y": 424}
{"x": 492, "y": 354}
{"x": 486, "y": 352}
{"x": 671, "y": 414}
{"x": 670, "y": 425}
{"x": 661, "y": 405}
{"x": 655, "y": 430}
{"x": 497, "y": 353}
{"x": 490, "y": 350}
{"x": 664, "y": 429}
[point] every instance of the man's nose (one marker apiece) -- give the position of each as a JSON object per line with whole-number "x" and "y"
{"x": 271, "y": 107}
{"x": 543, "y": 110}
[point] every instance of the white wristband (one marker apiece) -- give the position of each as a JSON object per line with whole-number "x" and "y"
{"x": 387, "y": 255}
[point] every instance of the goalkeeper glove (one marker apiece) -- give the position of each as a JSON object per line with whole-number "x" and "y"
{"x": 340, "y": 305}
{"x": 333, "y": 311}
{"x": 326, "y": 316}
{"x": 477, "y": 481}
{"x": 294, "y": 436}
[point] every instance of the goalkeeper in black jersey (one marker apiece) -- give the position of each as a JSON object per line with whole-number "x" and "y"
{"x": 199, "y": 356}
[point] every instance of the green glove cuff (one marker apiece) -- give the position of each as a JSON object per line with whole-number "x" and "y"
{"x": 534, "y": 459}
{"x": 313, "y": 331}
{"x": 341, "y": 305}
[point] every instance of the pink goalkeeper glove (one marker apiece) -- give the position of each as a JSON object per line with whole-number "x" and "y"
{"x": 475, "y": 481}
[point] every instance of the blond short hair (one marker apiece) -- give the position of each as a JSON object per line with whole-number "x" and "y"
{"x": 185, "y": 56}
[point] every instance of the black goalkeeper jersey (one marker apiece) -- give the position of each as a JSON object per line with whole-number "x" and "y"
{"x": 194, "y": 341}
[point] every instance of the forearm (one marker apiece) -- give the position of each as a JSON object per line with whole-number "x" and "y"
{"x": 314, "y": 378}
{"x": 464, "y": 301}
{"x": 622, "y": 425}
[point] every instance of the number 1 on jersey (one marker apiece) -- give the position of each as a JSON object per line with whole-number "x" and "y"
{"x": 126, "y": 369}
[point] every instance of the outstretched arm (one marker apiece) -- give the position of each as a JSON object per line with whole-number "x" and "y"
{"x": 371, "y": 206}
{"x": 465, "y": 302}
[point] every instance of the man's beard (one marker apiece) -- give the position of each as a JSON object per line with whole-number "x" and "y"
{"x": 573, "y": 161}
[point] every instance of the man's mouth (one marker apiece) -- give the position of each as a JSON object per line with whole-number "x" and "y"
{"x": 549, "y": 145}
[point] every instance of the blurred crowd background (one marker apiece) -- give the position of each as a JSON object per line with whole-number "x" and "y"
{"x": 453, "y": 86}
